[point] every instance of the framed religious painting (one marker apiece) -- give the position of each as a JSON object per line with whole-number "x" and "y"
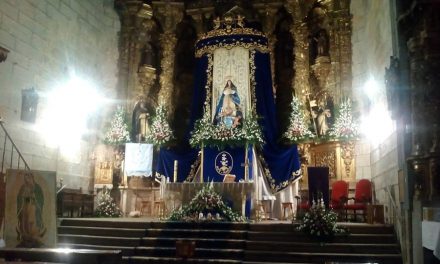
{"x": 230, "y": 86}
{"x": 30, "y": 211}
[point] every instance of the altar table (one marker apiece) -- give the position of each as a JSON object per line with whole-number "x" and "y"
{"x": 183, "y": 193}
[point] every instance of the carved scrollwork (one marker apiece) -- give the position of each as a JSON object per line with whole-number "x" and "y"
{"x": 327, "y": 159}
{"x": 347, "y": 155}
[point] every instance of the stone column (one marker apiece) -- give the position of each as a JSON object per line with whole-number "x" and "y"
{"x": 169, "y": 15}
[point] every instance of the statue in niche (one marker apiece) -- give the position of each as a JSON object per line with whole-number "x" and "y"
{"x": 148, "y": 55}
{"x": 322, "y": 115}
{"x": 228, "y": 111}
{"x": 321, "y": 41}
{"x": 140, "y": 121}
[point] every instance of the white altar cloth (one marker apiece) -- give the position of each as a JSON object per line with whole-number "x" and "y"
{"x": 431, "y": 236}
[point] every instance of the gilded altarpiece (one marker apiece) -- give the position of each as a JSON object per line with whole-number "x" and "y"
{"x": 320, "y": 68}
{"x": 338, "y": 156}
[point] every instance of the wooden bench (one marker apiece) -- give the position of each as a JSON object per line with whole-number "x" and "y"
{"x": 60, "y": 255}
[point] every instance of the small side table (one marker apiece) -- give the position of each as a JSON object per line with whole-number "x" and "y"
{"x": 375, "y": 214}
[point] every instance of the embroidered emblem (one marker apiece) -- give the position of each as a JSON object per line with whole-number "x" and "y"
{"x": 224, "y": 163}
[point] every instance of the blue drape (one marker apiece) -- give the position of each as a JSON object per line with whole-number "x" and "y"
{"x": 185, "y": 155}
{"x": 282, "y": 161}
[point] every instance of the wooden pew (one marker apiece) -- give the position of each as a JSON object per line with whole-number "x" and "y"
{"x": 59, "y": 255}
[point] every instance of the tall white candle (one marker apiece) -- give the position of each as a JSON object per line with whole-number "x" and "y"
{"x": 175, "y": 170}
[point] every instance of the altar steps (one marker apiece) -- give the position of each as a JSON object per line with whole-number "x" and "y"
{"x": 154, "y": 242}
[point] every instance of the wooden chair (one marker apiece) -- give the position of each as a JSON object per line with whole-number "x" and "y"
{"x": 339, "y": 197}
{"x": 362, "y": 197}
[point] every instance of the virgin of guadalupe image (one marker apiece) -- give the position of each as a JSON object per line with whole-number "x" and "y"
{"x": 228, "y": 111}
{"x": 30, "y": 200}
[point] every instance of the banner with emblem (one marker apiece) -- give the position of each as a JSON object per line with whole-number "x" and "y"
{"x": 229, "y": 161}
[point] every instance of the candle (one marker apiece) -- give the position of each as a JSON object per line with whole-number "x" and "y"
{"x": 175, "y": 170}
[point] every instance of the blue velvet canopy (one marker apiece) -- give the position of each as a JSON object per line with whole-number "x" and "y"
{"x": 280, "y": 163}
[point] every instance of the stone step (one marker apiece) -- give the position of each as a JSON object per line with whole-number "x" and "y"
{"x": 140, "y": 224}
{"x": 156, "y": 260}
{"x": 358, "y": 228}
{"x": 200, "y": 242}
{"x": 126, "y": 251}
{"x": 99, "y": 240}
{"x": 102, "y": 231}
{"x": 324, "y": 248}
{"x": 202, "y": 253}
{"x": 339, "y": 238}
{"x": 309, "y": 257}
{"x": 196, "y": 233}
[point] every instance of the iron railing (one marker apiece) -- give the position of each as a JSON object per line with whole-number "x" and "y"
{"x": 10, "y": 156}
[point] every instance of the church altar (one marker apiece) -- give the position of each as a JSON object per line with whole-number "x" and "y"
{"x": 237, "y": 194}
{"x": 233, "y": 109}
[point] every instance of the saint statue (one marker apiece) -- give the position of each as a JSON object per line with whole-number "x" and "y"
{"x": 140, "y": 121}
{"x": 322, "y": 115}
{"x": 228, "y": 111}
{"x": 321, "y": 44}
{"x": 30, "y": 200}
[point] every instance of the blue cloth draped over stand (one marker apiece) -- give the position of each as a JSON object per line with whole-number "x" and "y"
{"x": 282, "y": 161}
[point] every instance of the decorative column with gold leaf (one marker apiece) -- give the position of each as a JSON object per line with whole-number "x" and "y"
{"x": 339, "y": 74}
{"x": 169, "y": 15}
{"x": 146, "y": 73}
{"x": 301, "y": 54}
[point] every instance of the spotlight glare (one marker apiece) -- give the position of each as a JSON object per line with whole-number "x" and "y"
{"x": 68, "y": 108}
{"x": 377, "y": 125}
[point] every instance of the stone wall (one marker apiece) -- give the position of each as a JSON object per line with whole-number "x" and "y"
{"x": 49, "y": 40}
{"x": 372, "y": 41}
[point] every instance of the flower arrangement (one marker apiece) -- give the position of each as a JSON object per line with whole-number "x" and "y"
{"x": 298, "y": 130}
{"x": 207, "y": 134}
{"x": 319, "y": 222}
{"x": 118, "y": 132}
{"x": 107, "y": 206}
{"x": 345, "y": 127}
{"x": 252, "y": 130}
{"x": 207, "y": 205}
{"x": 161, "y": 132}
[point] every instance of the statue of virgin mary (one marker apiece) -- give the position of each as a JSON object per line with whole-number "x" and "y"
{"x": 228, "y": 111}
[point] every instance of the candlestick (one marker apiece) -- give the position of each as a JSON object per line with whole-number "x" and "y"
{"x": 175, "y": 170}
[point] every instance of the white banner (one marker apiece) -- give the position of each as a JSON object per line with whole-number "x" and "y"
{"x": 138, "y": 159}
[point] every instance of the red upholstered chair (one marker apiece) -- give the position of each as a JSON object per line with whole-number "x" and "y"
{"x": 339, "y": 196}
{"x": 362, "y": 197}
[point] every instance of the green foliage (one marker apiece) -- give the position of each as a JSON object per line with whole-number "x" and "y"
{"x": 106, "y": 206}
{"x": 298, "y": 130}
{"x": 206, "y": 202}
{"x": 118, "y": 132}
